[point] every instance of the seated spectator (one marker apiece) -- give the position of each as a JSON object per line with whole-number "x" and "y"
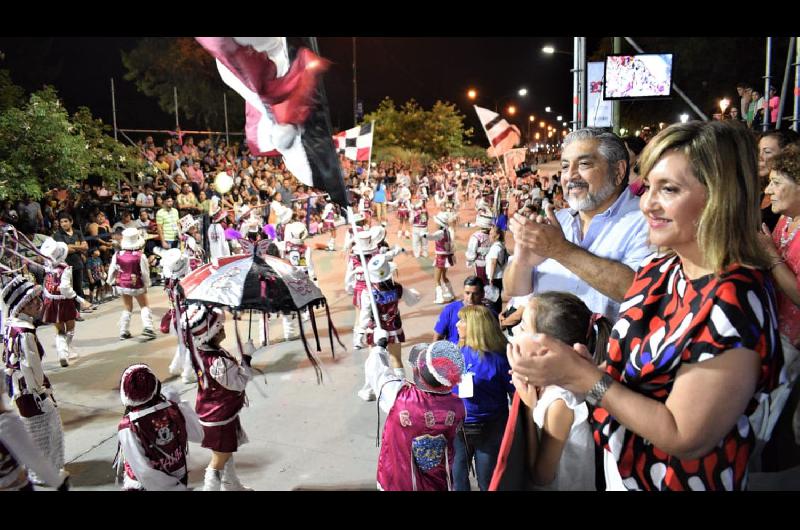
{"x": 145, "y": 198}
{"x": 770, "y": 144}
{"x": 187, "y": 202}
{"x": 126, "y": 221}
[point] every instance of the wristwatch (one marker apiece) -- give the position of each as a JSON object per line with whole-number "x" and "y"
{"x": 595, "y": 395}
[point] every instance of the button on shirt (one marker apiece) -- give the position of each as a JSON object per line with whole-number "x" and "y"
{"x": 491, "y": 385}
{"x": 618, "y": 234}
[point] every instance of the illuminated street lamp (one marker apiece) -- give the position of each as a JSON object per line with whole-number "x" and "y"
{"x": 684, "y": 118}
{"x": 531, "y": 118}
{"x": 472, "y": 94}
{"x": 522, "y": 92}
{"x": 724, "y": 103}
{"x": 547, "y": 109}
{"x": 548, "y": 50}
{"x": 512, "y": 109}
{"x": 537, "y": 136}
{"x": 564, "y": 124}
{"x": 541, "y": 125}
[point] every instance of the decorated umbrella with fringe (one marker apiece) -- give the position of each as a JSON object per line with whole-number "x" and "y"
{"x": 263, "y": 283}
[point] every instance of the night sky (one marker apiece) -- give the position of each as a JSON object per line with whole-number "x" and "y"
{"x": 425, "y": 69}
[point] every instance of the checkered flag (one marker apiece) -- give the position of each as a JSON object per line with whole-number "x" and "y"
{"x": 355, "y": 143}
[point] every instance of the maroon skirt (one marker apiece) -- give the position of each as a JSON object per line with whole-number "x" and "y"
{"x": 402, "y": 214}
{"x": 444, "y": 261}
{"x": 222, "y": 438}
{"x": 357, "y": 290}
{"x": 59, "y": 311}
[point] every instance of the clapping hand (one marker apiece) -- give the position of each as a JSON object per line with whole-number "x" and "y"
{"x": 537, "y": 237}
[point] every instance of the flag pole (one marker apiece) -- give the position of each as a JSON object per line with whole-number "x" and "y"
{"x": 487, "y": 137}
{"x": 369, "y": 162}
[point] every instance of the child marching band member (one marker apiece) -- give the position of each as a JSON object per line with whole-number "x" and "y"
{"x": 403, "y": 203}
{"x": 174, "y": 266}
{"x": 329, "y": 224}
{"x": 371, "y": 242}
{"x": 130, "y": 272}
{"x": 296, "y": 251}
{"x": 19, "y": 455}
{"x": 423, "y": 417}
{"x": 425, "y": 187}
{"x": 220, "y": 395}
{"x": 478, "y": 246}
{"x": 445, "y": 258}
{"x": 59, "y": 298}
{"x": 190, "y": 235}
{"x": 365, "y": 203}
{"x": 439, "y": 198}
{"x": 419, "y": 227}
{"x": 217, "y": 244}
{"x": 154, "y": 433}
{"x": 21, "y": 304}
{"x": 387, "y": 294}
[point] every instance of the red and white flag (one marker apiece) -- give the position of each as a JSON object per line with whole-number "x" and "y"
{"x": 502, "y": 136}
{"x": 355, "y": 143}
{"x": 286, "y": 109}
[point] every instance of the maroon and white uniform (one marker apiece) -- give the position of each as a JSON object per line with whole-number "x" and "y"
{"x": 193, "y": 251}
{"x": 130, "y": 272}
{"x": 329, "y": 221}
{"x": 357, "y": 275}
{"x": 154, "y": 442}
{"x": 387, "y": 299}
{"x": 403, "y": 208}
{"x": 419, "y": 226}
{"x": 444, "y": 248}
{"x": 365, "y": 206}
{"x": 31, "y": 390}
{"x": 300, "y": 257}
{"x": 477, "y": 248}
{"x": 219, "y": 403}
{"x": 59, "y": 296}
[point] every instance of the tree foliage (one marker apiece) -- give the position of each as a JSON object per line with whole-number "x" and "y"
{"x": 158, "y": 64}
{"x": 41, "y": 148}
{"x": 437, "y": 132}
{"x": 11, "y": 95}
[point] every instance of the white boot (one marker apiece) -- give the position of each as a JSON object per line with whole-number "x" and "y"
{"x": 399, "y": 234}
{"x": 230, "y": 481}
{"x": 72, "y": 353}
{"x": 366, "y": 393}
{"x": 147, "y": 323}
{"x": 176, "y": 364}
{"x": 438, "y": 299}
{"x": 447, "y": 292}
{"x": 408, "y": 234}
{"x": 63, "y": 349}
{"x": 332, "y": 244}
{"x": 213, "y": 480}
{"x": 358, "y": 339}
{"x": 124, "y": 325}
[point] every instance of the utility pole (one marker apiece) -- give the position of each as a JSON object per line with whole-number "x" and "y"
{"x": 355, "y": 87}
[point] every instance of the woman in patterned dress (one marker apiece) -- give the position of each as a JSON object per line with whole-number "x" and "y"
{"x": 697, "y": 341}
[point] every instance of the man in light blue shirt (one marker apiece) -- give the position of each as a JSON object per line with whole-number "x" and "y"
{"x": 592, "y": 248}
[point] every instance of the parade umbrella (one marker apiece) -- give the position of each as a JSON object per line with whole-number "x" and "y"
{"x": 252, "y": 282}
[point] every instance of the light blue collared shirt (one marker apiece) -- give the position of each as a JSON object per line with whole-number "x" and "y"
{"x": 618, "y": 234}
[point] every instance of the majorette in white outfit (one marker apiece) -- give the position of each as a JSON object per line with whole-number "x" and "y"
{"x": 419, "y": 228}
{"x": 445, "y": 257}
{"x": 130, "y": 272}
{"x": 387, "y": 295}
{"x": 478, "y": 246}
{"x": 220, "y": 395}
{"x": 365, "y": 202}
{"x": 20, "y": 457}
{"x": 190, "y": 232}
{"x": 217, "y": 244}
{"x": 60, "y": 298}
{"x": 174, "y": 266}
{"x": 298, "y": 254}
{"x": 20, "y": 302}
{"x": 329, "y": 224}
{"x": 154, "y": 433}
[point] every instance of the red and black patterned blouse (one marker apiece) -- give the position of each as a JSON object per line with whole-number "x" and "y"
{"x": 665, "y": 321}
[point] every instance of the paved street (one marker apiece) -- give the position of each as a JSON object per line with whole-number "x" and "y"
{"x": 301, "y": 435}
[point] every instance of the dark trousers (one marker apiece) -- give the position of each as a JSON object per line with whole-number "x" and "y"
{"x": 498, "y": 305}
{"x": 481, "y": 444}
{"x": 77, "y": 283}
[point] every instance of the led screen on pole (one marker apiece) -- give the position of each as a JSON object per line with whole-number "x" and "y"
{"x": 638, "y": 76}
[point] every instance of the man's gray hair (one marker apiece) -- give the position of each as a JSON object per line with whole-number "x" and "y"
{"x": 611, "y": 147}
